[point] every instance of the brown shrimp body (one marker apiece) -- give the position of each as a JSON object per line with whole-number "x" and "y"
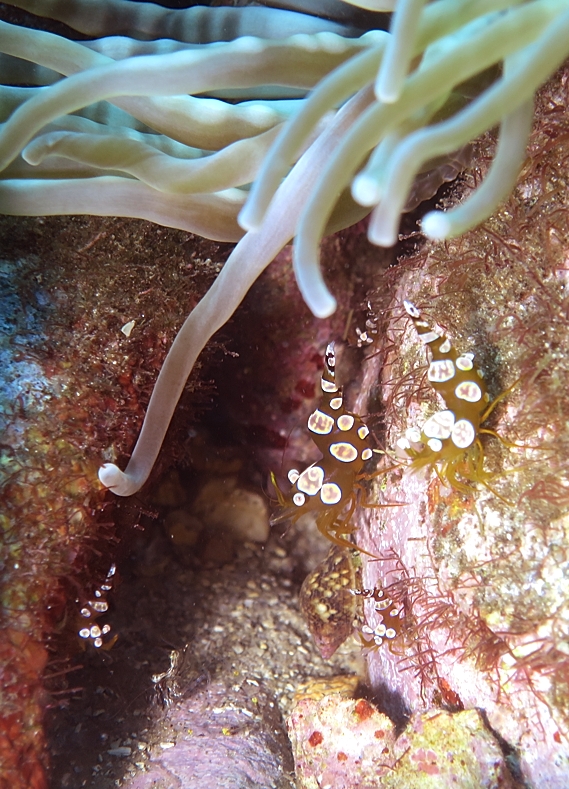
{"x": 448, "y": 434}
{"x": 327, "y": 486}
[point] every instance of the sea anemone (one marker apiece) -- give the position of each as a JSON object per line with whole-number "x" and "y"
{"x": 369, "y": 111}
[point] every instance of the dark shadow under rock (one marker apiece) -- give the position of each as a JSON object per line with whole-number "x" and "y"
{"x": 205, "y": 668}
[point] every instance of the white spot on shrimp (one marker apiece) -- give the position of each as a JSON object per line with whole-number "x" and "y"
{"x": 299, "y": 499}
{"x": 441, "y": 370}
{"x": 344, "y": 451}
{"x": 336, "y": 403}
{"x": 293, "y": 475}
{"x": 440, "y": 425}
{"x": 330, "y": 493}
{"x": 464, "y": 363}
{"x": 310, "y": 481}
{"x": 429, "y": 337}
{"x": 320, "y": 423}
{"x": 363, "y": 432}
{"x": 411, "y": 309}
{"x": 328, "y": 386}
{"x": 345, "y": 422}
{"x": 463, "y": 434}
{"x": 468, "y": 391}
{"x": 413, "y": 435}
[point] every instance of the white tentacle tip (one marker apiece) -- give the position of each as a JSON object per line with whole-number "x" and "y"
{"x": 31, "y": 155}
{"x": 323, "y": 306}
{"x": 116, "y": 480}
{"x": 366, "y": 190}
{"x": 436, "y": 225}
{"x": 249, "y": 219}
{"x": 382, "y": 235}
{"x": 387, "y": 91}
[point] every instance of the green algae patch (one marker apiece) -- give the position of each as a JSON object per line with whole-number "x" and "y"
{"x": 445, "y": 749}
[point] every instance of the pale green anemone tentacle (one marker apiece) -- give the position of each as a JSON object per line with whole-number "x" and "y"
{"x": 331, "y": 91}
{"x": 207, "y": 124}
{"x": 210, "y": 215}
{"x": 86, "y": 126}
{"x": 440, "y": 18}
{"x": 55, "y": 169}
{"x": 374, "y": 5}
{"x": 399, "y": 51}
{"x": 368, "y": 187}
{"x": 202, "y": 122}
{"x": 48, "y": 50}
{"x": 503, "y": 98}
{"x": 498, "y": 184}
{"x": 235, "y": 165}
{"x": 199, "y": 24}
{"x": 242, "y": 63}
{"x": 102, "y": 113}
{"x": 481, "y": 47}
{"x": 253, "y": 253}
{"x": 500, "y": 179}
{"x": 122, "y": 47}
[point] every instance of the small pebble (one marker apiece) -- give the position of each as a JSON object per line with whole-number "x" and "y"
{"x": 122, "y": 750}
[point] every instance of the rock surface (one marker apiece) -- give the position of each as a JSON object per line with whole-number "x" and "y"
{"x": 483, "y": 571}
{"x": 73, "y": 390}
{"x": 341, "y": 743}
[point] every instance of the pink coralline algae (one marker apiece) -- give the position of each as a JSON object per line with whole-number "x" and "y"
{"x": 343, "y": 743}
